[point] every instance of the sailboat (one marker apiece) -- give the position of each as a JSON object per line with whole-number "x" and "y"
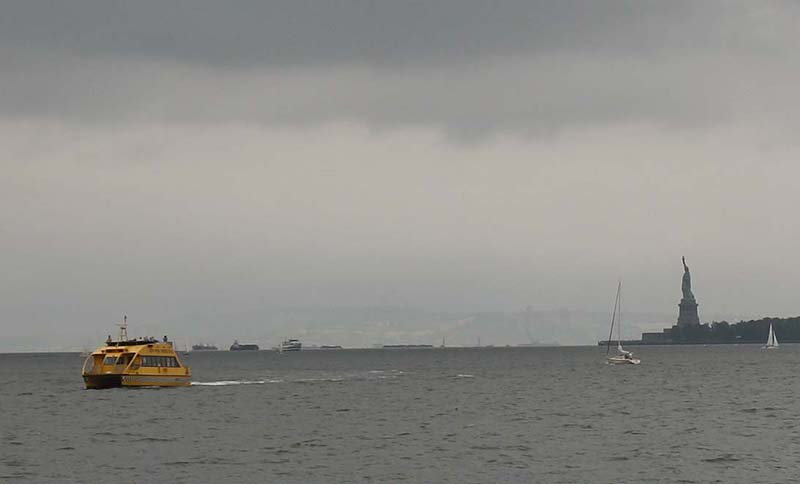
{"x": 772, "y": 341}
{"x": 622, "y": 357}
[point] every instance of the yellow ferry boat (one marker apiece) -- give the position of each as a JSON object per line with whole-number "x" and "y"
{"x": 135, "y": 363}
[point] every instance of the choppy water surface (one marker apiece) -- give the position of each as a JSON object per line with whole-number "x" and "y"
{"x": 560, "y": 415}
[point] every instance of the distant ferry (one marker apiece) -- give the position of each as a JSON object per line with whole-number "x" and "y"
{"x": 291, "y": 345}
{"x": 142, "y": 362}
{"x": 239, "y": 347}
{"x": 204, "y": 347}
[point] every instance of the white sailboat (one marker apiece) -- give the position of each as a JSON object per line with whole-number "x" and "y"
{"x": 772, "y": 341}
{"x": 622, "y": 357}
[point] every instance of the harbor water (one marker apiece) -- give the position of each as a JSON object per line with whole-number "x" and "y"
{"x": 687, "y": 414}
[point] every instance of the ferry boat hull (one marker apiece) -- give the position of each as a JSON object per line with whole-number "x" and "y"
{"x": 99, "y": 382}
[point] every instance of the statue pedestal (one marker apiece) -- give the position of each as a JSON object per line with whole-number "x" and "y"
{"x": 687, "y": 316}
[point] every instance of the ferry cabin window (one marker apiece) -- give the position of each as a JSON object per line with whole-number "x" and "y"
{"x": 110, "y": 360}
{"x": 160, "y": 361}
{"x": 90, "y": 364}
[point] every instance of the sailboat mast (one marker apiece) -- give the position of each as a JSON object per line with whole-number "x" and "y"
{"x": 619, "y": 315}
{"x": 613, "y": 317}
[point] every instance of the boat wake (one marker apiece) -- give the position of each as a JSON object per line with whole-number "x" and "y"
{"x": 225, "y": 383}
{"x": 386, "y": 372}
{"x": 320, "y": 378}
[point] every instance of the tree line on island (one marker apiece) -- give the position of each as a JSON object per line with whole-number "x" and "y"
{"x": 754, "y": 331}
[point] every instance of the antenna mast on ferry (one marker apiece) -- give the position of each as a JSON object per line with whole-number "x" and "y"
{"x": 123, "y": 329}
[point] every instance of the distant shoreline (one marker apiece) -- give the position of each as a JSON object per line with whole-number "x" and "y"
{"x": 638, "y": 342}
{"x": 318, "y": 350}
{"x": 787, "y": 330}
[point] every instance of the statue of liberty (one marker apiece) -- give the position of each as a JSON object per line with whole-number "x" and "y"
{"x": 687, "y": 316}
{"x": 686, "y": 285}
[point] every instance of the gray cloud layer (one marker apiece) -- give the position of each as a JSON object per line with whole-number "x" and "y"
{"x": 285, "y": 32}
{"x": 464, "y": 67}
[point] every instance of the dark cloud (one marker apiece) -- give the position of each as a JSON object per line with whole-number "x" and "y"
{"x": 466, "y": 67}
{"x": 290, "y": 32}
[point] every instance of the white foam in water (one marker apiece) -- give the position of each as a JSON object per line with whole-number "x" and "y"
{"x": 315, "y": 380}
{"x": 231, "y": 382}
{"x": 460, "y": 375}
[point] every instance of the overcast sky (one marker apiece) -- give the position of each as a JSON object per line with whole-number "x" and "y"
{"x": 181, "y": 160}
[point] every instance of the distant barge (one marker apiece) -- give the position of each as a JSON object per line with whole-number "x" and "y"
{"x": 236, "y": 346}
{"x": 406, "y": 347}
{"x": 204, "y": 347}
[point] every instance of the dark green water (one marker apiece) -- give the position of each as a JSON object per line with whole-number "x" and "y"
{"x": 545, "y": 415}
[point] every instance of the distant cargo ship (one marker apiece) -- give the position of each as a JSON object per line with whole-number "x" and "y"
{"x": 243, "y": 347}
{"x": 204, "y": 347}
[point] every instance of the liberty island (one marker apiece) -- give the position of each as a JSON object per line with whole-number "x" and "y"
{"x": 689, "y": 330}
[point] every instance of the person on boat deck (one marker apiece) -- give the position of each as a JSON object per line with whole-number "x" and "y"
{"x": 627, "y": 356}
